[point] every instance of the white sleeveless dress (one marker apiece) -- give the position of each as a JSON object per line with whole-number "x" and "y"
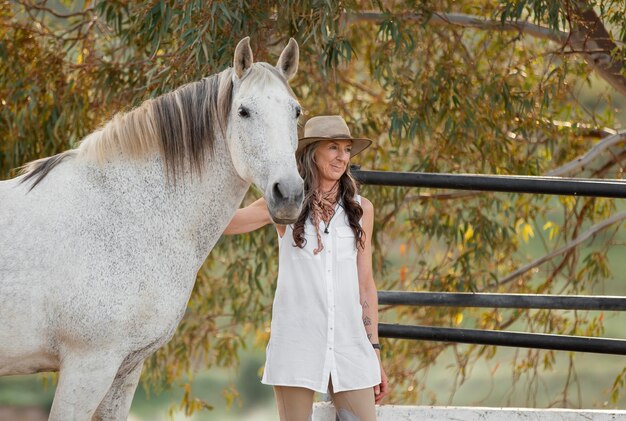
{"x": 317, "y": 330}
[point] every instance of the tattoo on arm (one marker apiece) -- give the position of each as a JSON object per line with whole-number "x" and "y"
{"x": 369, "y": 336}
{"x": 365, "y": 304}
{"x": 367, "y": 321}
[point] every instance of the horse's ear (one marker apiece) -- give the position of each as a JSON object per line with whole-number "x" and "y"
{"x": 243, "y": 57}
{"x": 288, "y": 61}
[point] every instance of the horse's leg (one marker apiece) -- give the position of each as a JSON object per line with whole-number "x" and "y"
{"x": 116, "y": 404}
{"x": 83, "y": 383}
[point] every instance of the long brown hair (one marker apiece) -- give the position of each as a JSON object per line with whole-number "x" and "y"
{"x": 348, "y": 189}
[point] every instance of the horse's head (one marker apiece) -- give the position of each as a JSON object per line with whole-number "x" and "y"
{"x": 262, "y": 129}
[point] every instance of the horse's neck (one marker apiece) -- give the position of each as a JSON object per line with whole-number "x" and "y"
{"x": 193, "y": 209}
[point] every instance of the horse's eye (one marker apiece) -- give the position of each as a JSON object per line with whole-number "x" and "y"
{"x": 243, "y": 112}
{"x": 298, "y": 111}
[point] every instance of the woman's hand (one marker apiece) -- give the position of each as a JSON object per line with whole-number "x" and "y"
{"x": 380, "y": 390}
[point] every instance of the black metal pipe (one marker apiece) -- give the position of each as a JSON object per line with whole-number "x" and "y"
{"x": 511, "y": 339}
{"x": 496, "y": 183}
{"x": 469, "y": 299}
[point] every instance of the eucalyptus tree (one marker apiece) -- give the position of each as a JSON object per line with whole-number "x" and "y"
{"x": 472, "y": 86}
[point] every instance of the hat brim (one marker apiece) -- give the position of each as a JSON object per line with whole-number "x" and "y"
{"x": 359, "y": 144}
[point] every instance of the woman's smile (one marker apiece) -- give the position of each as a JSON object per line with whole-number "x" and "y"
{"x": 332, "y": 157}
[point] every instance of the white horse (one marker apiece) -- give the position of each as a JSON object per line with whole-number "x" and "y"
{"x": 100, "y": 245}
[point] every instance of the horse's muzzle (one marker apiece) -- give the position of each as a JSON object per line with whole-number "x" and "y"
{"x": 284, "y": 200}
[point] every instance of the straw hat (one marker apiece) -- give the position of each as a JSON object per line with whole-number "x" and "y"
{"x": 330, "y": 127}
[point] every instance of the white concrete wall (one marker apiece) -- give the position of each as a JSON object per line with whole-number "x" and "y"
{"x": 324, "y": 411}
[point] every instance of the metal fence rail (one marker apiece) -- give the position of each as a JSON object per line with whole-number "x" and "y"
{"x": 502, "y": 338}
{"x": 470, "y": 299}
{"x": 506, "y": 184}
{"x": 496, "y": 183}
{"x": 513, "y": 339}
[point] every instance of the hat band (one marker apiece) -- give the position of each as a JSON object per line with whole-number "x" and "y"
{"x": 334, "y": 136}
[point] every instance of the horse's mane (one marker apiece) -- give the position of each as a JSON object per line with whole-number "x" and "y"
{"x": 180, "y": 125}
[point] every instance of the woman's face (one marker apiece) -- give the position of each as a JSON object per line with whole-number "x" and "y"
{"x": 332, "y": 158}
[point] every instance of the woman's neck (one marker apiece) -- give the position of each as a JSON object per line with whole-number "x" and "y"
{"x": 325, "y": 186}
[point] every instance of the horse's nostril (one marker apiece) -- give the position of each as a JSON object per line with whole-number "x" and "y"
{"x": 278, "y": 194}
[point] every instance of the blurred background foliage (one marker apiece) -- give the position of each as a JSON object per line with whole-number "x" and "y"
{"x": 474, "y": 86}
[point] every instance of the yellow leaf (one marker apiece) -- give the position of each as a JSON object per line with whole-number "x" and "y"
{"x": 568, "y": 201}
{"x": 554, "y": 232}
{"x": 469, "y": 233}
{"x": 458, "y": 319}
{"x": 527, "y": 233}
{"x": 552, "y": 229}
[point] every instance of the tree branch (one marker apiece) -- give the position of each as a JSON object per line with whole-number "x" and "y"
{"x": 29, "y": 4}
{"x": 583, "y": 129}
{"x": 580, "y": 162}
{"x": 589, "y": 38}
{"x": 466, "y": 21}
{"x": 454, "y": 195}
{"x": 565, "y": 170}
{"x": 620, "y": 216}
{"x": 589, "y": 34}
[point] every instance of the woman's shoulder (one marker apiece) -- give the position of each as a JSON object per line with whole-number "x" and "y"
{"x": 366, "y": 205}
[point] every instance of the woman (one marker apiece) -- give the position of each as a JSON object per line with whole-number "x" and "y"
{"x": 324, "y": 332}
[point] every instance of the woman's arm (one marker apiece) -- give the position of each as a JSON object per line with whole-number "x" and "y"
{"x": 250, "y": 218}
{"x": 368, "y": 292}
